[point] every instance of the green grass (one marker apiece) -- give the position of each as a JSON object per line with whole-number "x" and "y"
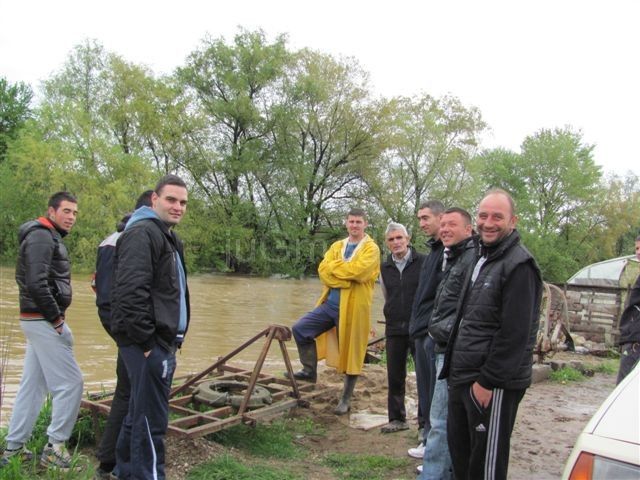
{"x": 369, "y": 467}
{"x": 275, "y": 440}
{"x": 566, "y": 374}
{"x": 608, "y": 367}
{"x": 226, "y": 467}
{"x": 82, "y": 435}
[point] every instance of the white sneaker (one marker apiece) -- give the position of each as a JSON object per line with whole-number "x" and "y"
{"x": 419, "y": 469}
{"x": 417, "y": 452}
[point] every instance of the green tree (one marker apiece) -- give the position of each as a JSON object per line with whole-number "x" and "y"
{"x": 15, "y": 110}
{"x": 557, "y": 188}
{"x": 428, "y": 151}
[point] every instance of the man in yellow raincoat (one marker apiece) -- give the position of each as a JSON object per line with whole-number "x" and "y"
{"x": 338, "y": 328}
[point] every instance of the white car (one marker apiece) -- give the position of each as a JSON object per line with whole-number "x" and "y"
{"x": 609, "y": 446}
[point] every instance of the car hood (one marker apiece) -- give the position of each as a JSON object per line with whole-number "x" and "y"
{"x": 622, "y": 422}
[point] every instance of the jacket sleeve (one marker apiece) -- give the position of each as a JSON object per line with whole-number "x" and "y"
{"x": 38, "y": 254}
{"x": 104, "y": 277}
{"x": 133, "y": 279}
{"x": 363, "y": 267}
{"x": 448, "y": 297}
{"x": 511, "y": 341}
{"x": 325, "y": 269}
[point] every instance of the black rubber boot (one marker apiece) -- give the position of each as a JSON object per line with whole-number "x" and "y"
{"x": 309, "y": 361}
{"x": 345, "y": 402}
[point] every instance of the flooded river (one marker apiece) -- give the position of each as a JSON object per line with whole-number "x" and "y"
{"x": 226, "y": 311}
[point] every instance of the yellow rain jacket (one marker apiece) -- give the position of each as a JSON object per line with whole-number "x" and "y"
{"x": 355, "y": 277}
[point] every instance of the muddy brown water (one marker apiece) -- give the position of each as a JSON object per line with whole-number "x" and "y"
{"x": 226, "y": 311}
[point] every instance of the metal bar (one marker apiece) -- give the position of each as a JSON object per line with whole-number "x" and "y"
{"x": 287, "y": 362}
{"x": 222, "y": 360}
{"x": 256, "y": 370}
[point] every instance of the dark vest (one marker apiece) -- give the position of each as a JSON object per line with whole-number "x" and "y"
{"x": 481, "y": 317}
{"x": 401, "y": 288}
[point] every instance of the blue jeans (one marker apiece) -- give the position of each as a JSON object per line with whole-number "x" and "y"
{"x": 437, "y": 460}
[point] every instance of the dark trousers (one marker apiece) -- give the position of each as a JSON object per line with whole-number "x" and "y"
{"x": 322, "y": 318}
{"x": 140, "y": 448}
{"x": 119, "y": 407}
{"x": 629, "y": 358}
{"x": 425, "y": 358}
{"x": 397, "y": 347}
{"x": 479, "y": 437}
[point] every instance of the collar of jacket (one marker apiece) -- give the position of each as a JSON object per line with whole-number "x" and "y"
{"x": 498, "y": 249}
{"x": 460, "y": 247}
{"x": 46, "y": 223}
{"x": 434, "y": 243}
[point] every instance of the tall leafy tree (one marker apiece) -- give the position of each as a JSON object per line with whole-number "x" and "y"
{"x": 15, "y": 109}
{"x": 557, "y": 188}
{"x": 429, "y": 147}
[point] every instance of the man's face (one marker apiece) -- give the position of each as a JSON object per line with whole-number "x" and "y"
{"x": 495, "y": 220}
{"x": 398, "y": 243}
{"x": 171, "y": 204}
{"x": 65, "y": 215}
{"x": 638, "y": 250}
{"x": 355, "y": 226}
{"x": 429, "y": 222}
{"x": 453, "y": 229}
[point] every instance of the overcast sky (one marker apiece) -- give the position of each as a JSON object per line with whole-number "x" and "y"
{"x": 525, "y": 64}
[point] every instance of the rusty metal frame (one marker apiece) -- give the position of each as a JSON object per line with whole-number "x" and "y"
{"x": 285, "y": 392}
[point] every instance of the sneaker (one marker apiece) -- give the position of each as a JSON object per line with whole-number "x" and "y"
{"x": 57, "y": 455}
{"x": 394, "y": 426}
{"x": 417, "y": 452}
{"x": 22, "y": 453}
{"x": 419, "y": 469}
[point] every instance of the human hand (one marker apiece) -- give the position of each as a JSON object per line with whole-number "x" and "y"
{"x": 481, "y": 394}
{"x": 58, "y": 324}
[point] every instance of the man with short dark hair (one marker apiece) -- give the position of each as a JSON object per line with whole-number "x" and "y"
{"x": 399, "y": 277}
{"x": 43, "y": 274}
{"x": 630, "y": 327}
{"x": 459, "y": 254}
{"x": 489, "y": 357}
{"x": 338, "y": 328}
{"x": 429, "y": 214}
{"x": 119, "y": 407}
{"x": 150, "y": 316}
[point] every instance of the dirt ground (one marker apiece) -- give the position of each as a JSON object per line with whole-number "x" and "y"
{"x": 549, "y": 420}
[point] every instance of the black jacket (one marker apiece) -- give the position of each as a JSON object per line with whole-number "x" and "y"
{"x": 145, "y": 296}
{"x": 400, "y": 289}
{"x": 492, "y": 341}
{"x": 445, "y": 308}
{"x": 104, "y": 273}
{"x": 630, "y": 318}
{"x": 43, "y": 271}
{"x": 430, "y": 276}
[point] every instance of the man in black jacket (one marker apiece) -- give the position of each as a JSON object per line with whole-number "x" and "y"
{"x": 106, "y": 451}
{"x": 429, "y": 217}
{"x": 43, "y": 275}
{"x": 630, "y": 327}
{"x": 150, "y": 316}
{"x": 490, "y": 354}
{"x": 399, "y": 277}
{"x": 459, "y": 254}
